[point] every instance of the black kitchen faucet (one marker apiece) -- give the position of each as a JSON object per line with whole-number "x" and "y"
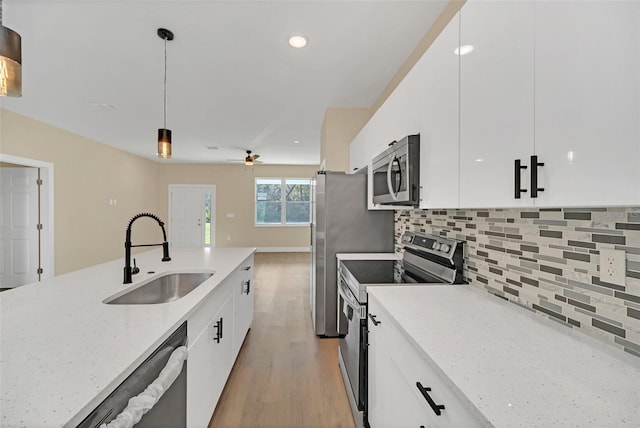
{"x": 128, "y": 271}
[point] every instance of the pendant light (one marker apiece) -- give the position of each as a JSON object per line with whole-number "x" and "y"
{"x": 164, "y": 134}
{"x": 10, "y": 61}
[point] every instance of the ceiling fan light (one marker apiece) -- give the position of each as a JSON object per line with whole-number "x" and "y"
{"x": 248, "y": 162}
{"x": 164, "y": 143}
{"x": 10, "y": 63}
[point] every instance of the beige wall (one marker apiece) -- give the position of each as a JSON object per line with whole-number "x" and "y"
{"x": 86, "y": 174}
{"x": 339, "y": 128}
{"x": 235, "y": 194}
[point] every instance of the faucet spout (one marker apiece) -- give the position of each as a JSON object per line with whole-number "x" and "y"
{"x": 128, "y": 271}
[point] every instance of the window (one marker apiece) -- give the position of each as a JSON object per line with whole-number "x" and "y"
{"x": 283, "y": 201}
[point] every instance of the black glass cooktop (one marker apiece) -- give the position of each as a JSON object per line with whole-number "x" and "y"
{"x": 374, "y": 271}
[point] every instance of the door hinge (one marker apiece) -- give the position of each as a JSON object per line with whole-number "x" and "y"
{"x": 39, "y": 182}
{"x": 40, "y": 271}
{"x": 39, "y": 227}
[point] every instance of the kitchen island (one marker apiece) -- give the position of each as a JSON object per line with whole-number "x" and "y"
{"x": 62, "y": 350}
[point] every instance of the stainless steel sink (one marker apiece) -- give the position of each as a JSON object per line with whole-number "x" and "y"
{"x": 167, "y": 288}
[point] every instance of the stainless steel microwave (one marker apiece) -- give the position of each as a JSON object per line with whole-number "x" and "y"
{"x": 396, "y": 173}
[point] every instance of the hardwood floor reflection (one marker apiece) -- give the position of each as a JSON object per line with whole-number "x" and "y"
{"x": 284, "y": 375}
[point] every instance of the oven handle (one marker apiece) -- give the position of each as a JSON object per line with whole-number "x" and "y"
{"x": 347, "y": 295}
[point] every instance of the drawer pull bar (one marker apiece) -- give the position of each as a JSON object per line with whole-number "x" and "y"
{"x": 375, "y": 321}
{"x": 517, "y": 175}
{"x": 425, "y": 393}
{"x": 534, "y": 176}
{"x": 218, "y": 327}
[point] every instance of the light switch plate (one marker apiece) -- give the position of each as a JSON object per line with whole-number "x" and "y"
{"x": 613, "y": 266}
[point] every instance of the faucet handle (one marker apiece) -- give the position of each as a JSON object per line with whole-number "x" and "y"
{"x": 135, "y": 269}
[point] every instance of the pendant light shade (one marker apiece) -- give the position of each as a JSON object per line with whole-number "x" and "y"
{"x": 10, "y": 61}
{"x": 164, "y": 143}
{"x": 164, "y": 134}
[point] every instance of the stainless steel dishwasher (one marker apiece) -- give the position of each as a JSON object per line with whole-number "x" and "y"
{"x": 170, "y": 411}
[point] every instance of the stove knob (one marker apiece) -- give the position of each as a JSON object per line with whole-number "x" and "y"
{"x": 445, "y": 248}
{"x": 435, "y": 246}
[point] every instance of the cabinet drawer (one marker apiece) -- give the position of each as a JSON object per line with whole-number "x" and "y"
{"x": 205, "y": 313}
{"x": 415, "y": 369}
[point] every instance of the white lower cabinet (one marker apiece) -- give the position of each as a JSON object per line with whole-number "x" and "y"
{"x": 405, "y": 390}
{"x": 216, "y": 331}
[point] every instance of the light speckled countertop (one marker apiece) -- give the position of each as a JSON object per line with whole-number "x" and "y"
{"x": 518, "y": 368}
{"x": 62, "y": 350}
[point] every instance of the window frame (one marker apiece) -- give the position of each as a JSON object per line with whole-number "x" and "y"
{"x": 283, "y": 203}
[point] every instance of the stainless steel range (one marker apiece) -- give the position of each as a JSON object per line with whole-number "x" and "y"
{"x": 427, "y": 260}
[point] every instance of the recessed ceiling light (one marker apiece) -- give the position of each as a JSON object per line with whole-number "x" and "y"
{"x": 463, "y": 50}
{"x": 297, "y": 41}
{"x": 296, "y": 142}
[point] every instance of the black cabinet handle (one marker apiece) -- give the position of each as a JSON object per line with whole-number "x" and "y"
{"x": 246, "y": 287}
{"x": 517, "y": 175}
{"x": 425, "y": 393}
{"x": 246, "y": 268}
{"x": 375, "y": 321}
{"x": 218, "y": 328}
{"x": 534, "y": 176}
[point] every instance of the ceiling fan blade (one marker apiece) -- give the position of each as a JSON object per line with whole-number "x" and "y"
{"x": 255, "y": 157}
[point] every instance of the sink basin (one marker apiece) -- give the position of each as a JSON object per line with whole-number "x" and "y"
{"x": 167, "y": 288}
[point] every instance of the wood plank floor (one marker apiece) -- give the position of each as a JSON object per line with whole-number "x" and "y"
{"x": 284, "y": 375}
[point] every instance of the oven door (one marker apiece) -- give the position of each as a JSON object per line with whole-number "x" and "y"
{"x": 353, "y": 346}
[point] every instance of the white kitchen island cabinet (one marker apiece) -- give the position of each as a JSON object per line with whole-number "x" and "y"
{"x": 489, "y": 362}
{"x": 92, "y": 347}
{"x": 243, "y": 292}
{"x": 214, "y": 344}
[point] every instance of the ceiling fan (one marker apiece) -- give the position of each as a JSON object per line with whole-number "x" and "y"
{"x": 249, "y": 160}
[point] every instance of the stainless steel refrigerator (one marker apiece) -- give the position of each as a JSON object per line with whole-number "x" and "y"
{"x": 340, "y": 223}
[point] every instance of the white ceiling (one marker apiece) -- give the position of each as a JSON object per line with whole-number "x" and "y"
{"x": 233, "y": 82}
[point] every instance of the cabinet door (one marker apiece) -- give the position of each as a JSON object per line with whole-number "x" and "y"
{"x": 208, "y": 366}
{"x": 378, "y": 363}
{"x": 243, "y": 303}
{"x": 587, "y": 102}
{"x": 396, "y": 366}
{"x": 439, "y": 73}
{"x": 496, "y": 101}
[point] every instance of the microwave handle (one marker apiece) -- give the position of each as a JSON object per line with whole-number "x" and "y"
{"x": 392, "y": 191}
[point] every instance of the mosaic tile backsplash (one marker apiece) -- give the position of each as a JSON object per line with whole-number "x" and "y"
{"x": 547, "y": 261}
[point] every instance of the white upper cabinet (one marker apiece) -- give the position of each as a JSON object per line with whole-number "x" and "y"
{"x": 425, "y": 103}
{"x": 587, "y": 102}
{"x": 496, "y": 102}
{"x": 437, "y": 74}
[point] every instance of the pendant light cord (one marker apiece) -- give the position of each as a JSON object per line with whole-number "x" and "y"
{"x": 165, "y": 83}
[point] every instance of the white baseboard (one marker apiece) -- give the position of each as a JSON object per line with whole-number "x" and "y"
{"x": 283, "y": 249}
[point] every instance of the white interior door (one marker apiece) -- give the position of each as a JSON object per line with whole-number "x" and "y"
{"x": 19, "y": 250}
{"x": 192, "y": 215}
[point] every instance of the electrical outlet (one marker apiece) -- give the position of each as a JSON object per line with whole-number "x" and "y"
{"x": 613, "y": 266}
